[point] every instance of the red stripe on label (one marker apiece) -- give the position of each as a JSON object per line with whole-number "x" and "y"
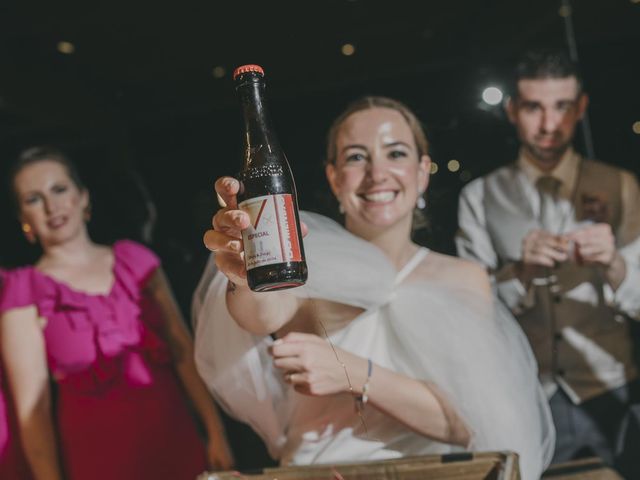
{"x": 275, "y": 203}
{"x": 296, "y": 256}
{"x": 264, "y": 203}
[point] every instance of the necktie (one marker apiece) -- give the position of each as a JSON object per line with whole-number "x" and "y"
{"x": 550, "y": 213}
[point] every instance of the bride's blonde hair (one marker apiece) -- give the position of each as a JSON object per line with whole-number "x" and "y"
{"x": 366, "y": 103}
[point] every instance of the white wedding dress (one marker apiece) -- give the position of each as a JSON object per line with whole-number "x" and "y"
{"x": 471, "y": 349}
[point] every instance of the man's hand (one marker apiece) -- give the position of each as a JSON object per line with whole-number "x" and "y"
{"x": 540, "y": 249}
{"x": 594, "y": 244}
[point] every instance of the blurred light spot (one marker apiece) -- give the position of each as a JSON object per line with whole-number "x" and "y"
{"x": 453, "y": 165}
{"x": 564, "y": 11}
{"x": 434, "y": 168}
{"x": 635, "y": 1}
{"x": 465, "y": 176}
{"x": 219, "y": 72}
{"x": 66, "y": 47}
{"x": 348, "y": 49}
{"x": 492, "y": 95}
{"x": 636, "y": 125}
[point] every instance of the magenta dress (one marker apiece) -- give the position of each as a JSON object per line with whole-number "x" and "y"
{"x": 120, "y": 409}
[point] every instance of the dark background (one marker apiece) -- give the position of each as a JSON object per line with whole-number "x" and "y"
{"x": 139, "y": 109}
{"x": 138, "y": 94}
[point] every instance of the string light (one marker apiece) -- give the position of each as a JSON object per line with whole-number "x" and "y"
{"x": 453, "y": 165}
{"x": 636, "y": 125}
{"x": 434, "y": 168}
{"x": 66, "y": 48}
{"x": 492, "y": 95}
{"x": 348, "y": 49}
{"x": 219, "y": 72}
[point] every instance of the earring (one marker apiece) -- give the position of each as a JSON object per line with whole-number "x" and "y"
{"x": 341, "y": 208}
{"x": 28, "y": 233}
{"x": 421, "y": 203}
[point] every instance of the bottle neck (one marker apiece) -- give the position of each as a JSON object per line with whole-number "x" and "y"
{"x": 258, "y": 130}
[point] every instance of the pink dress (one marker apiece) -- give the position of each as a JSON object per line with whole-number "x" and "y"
{"x": 120, "y": 409}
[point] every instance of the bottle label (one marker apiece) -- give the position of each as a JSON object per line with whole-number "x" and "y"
{"x": 272, "y": 236}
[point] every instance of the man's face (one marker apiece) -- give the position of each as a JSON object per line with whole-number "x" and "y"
{"x": 545, "y": 113}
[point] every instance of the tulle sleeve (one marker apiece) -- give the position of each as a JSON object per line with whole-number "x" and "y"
{"x": 474, "y": 351}
{"x": 235, "y": 366}
{"x": 342, "y": 267}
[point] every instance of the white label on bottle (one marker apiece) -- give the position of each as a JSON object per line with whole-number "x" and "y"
{"x": 272, "y": 236}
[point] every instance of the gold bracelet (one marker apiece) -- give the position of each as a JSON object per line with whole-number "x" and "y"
{"x": 361, "y": 400}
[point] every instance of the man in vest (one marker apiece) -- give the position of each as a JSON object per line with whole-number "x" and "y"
{"x": 561, "y": 236}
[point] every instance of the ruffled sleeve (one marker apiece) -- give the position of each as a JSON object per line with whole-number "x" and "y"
{"x": 135, "y": 264}
{"x": 17, "y": 289}
{"x": 139, "y": 261}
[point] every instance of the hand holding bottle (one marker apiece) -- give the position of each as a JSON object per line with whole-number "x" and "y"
{"x": 226, "y": 236}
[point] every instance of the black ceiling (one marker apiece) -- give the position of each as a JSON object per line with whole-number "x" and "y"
{"x": 139, "y": 91}
{"x": 140, "y": 61}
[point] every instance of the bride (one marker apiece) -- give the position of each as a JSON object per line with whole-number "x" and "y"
{"x": 390, "y": 349}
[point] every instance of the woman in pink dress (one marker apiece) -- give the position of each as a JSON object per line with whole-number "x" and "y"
{"x": 100, "y": 325}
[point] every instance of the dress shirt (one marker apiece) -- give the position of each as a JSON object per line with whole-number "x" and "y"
{"x": 575, "y": 321}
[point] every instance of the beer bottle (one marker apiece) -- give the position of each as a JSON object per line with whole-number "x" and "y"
{"x": 273, "y": 250}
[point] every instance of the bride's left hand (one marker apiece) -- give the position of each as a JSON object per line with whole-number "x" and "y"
{"x": 309, "y": 364}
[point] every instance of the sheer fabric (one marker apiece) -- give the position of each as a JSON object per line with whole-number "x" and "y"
{"x": 466, "y": 345}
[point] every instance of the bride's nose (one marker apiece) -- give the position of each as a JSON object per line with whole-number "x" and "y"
{"x": 377, "y": 170}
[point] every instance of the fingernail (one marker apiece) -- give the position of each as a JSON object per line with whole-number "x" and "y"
{"x": 277, "y": 342}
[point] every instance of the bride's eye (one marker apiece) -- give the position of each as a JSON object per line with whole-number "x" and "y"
{"x": 395, "y": 154}
{"x": 355, "y": 157}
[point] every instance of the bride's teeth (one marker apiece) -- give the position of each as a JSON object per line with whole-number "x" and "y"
{"x": 380, "y": 197}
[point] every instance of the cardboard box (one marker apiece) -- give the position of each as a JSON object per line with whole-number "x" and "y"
{"x": 585, "y": 469}
{"x": 463, "y": 466}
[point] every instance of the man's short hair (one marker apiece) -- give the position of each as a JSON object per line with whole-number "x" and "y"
{"x": 541, "y": 64}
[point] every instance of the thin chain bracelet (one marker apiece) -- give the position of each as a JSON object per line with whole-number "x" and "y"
{"x": 361, "y": 400}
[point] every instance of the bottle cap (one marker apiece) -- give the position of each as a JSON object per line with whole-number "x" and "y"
{"x": 247, "y": 68}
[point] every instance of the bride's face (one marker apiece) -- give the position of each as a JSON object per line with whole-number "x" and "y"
{"x": 377, "y": 175}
